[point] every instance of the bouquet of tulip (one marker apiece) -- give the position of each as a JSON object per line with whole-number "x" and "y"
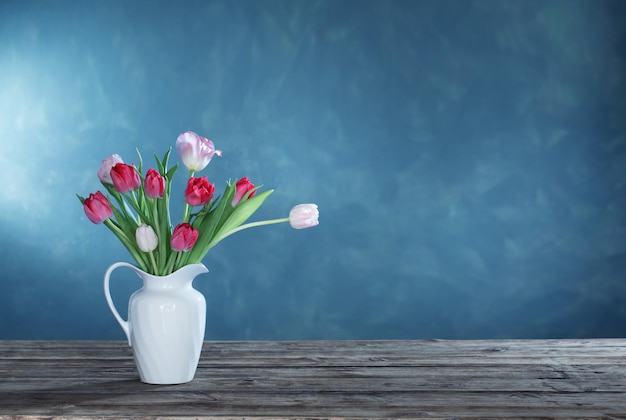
{"x": 137, "y": 211}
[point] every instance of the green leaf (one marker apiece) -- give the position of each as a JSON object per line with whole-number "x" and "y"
{"x": 166, "y": 158}
{"x": 136, "y": 206}
{"x": 160, "y": 166}
{"x": 209, "y": 224}
{"x": 140, "y": 162}
{"x": 170, "y": 173}
{"x": 129, "y": 243}
{"x": 242, "y": 212}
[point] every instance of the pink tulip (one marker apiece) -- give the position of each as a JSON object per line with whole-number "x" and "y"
{"x": 154, "y": 184}
{"x": 97, "y": 208}
{"x": 146, "y": 238}
{"x": 199, "y": 191}
{"x": 195, "y": 151}
{"x": 183, "y": 237}
{"x": 243, "y": 186}
{"x": 304, "y": 216}
{"x": 125, "y": 178}
{"x": 104, "y": 173}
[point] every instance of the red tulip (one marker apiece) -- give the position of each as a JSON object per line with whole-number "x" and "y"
{"x": 243, "y": 186}
{"x": 97, "y": 208}
{"x": 199, "y": 191}
{"x": 154, "y": 184}
{"x": 125, "y": 178}
{"x": 183, "y": 237}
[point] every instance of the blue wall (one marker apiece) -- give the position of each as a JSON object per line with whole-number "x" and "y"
{"x": 468, "y": 159}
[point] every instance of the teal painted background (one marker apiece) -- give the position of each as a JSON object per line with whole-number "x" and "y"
{"x": 468, "y": 158}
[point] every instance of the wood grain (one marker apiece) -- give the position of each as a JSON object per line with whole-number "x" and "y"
{"x": 323, "y": 379}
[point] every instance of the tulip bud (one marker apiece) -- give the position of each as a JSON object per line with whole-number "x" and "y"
{"x": 195, "y": 151}
{"x": 183, "y": 237}
{"x": 97, "y": 208}
{"x": 147, "y": 240}
{"x": 243, "y": 186}
{"x": 154, "y": 184}
{"x": 125, "y": 178}
{"x": 104, "y": 173}
{"x": 304, "y": 216}
{"x": 199, "y": 191}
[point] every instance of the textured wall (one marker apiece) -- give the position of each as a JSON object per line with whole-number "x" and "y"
{"x": 468, "y": 158}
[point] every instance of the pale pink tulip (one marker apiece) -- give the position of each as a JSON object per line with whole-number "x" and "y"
{"x": 147, "y": 239}
{"x": 104, "y": 173}
{"x": 304, "y": 216}
{"x": 195, "y": 151}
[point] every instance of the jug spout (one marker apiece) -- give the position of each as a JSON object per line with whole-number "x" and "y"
{"x": 193, "y": 270}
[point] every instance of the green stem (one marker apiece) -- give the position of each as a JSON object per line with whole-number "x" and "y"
{"x": 143, "y": 218}
{"x": 154, "y": 265}
{"x": 161, "y": 252}
{"x": 123, "y": 206}
{"x": 130, "y": 245}
{"x": 240, "y": 228}
{"x": 163, "y": 208}
{"x": 170, "y": 263}
{"x": 187, "y": 210}
{"x": 254, "y": 224}
{"x": 178, "y": 256}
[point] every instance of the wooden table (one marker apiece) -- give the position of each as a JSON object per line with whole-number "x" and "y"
{"x": 313, "y": 379}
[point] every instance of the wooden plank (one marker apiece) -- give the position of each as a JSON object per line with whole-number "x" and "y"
{"x": 288, "y": 380}
{"x": 253, "y": 352}
{"x": 390, "y": 379}
{"x": 319, "y": 404}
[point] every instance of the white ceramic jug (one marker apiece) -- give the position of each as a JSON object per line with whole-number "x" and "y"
{"x": 166, "y": 322}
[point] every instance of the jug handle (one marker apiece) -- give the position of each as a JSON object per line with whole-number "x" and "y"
{"x": 107, "y": 293}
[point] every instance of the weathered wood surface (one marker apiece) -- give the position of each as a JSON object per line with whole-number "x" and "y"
{"x": 323, "y": 379}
